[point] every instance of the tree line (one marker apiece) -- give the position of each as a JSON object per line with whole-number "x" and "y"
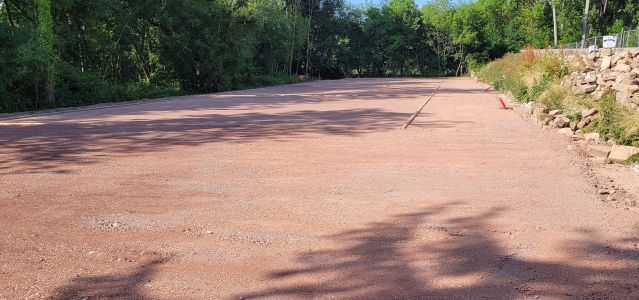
{"x": 76, "y": 52}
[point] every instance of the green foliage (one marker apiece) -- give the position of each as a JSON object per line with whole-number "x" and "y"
{"x": 45, "y": 35}
{"x": 540, "y": 85}
{"x": 617, "y": 122}
{"x": 518, "y": 88}
{"x": 574, "y": 117}
{"x": 85, "y": 52}
{"x": 633, "y": 159}
{"x": 554, "y": 97}
{"x": 608, "y": 117}
{"x": 512, "y": 73}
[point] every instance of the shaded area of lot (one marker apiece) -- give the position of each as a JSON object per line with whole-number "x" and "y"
{"x": 388, "y": 260}
{"x": 45, "y": 147}
{"x": 124, "y": 286}
{"x": 49, "y": 142}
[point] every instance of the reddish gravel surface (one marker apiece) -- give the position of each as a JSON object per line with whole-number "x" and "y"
{"x": 305, "y": 191}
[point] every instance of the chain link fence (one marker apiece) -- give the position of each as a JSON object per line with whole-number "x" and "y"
{"x": 624, "y": 39}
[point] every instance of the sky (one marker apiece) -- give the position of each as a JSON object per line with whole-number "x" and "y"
{"x": 357, "y": 2}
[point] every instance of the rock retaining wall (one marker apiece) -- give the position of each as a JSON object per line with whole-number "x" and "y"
{"x": 608, "y": 151}
{"x": 607, "y": 71}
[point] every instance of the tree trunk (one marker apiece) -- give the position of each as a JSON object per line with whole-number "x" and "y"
{"x": 308, "y": 36}
{"x": 45, "y": 45}
{"x": 554, "y": 22}
{"x": 602, "y": 12}
{"x": 293, "y": 12}
{"x": 50, "y": 89}
{"x": 9, "y": 17}
{"x": 584, "y": 34}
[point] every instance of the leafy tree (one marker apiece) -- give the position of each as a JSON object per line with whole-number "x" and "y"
{"x": 76, "y": 52}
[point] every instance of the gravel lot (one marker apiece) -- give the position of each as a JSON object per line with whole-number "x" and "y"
{"x": 309, "y": 190}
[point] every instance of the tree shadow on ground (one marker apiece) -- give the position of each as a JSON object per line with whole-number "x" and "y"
{"x": 267, "y": 97}
{"x": 407, "y": 257}
{"x": 50, "y": 143}
{"x": 125, "y": 286}
{"x": 51, "y": 147}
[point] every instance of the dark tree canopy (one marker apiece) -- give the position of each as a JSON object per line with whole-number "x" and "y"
{"x": 76, "y": 52}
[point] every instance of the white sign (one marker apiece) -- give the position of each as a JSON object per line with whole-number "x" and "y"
{"x": 609, "y": 41}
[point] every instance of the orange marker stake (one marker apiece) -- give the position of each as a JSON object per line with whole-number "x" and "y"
{"x": 501, "y": 101}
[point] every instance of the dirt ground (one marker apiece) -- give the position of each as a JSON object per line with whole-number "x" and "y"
{"x": 306, "y": 191}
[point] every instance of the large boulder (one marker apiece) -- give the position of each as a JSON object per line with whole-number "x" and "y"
{"x": 565, "y": 131}
{"x": 627, "y": 78}
{"x": 573, "y": 126}
{"x": 598, "y": 150}
{"x": 541, "y": 110}
{"x": 584, "y": 122}
{"x": 590, "y": 78}
{"x": 588, "y": 112}
{"x": 622, "y": 68}
{"x": 620, "y": 153}
{"x": 623, "y": 97}
{"x": 592, "y": 136}
{"x": 623, "y": 56}
{"x": 605, "y": 63}
{"x": 626, "y": 88}
{"x": 561, "y": 121}
{"x": 608, "y": 75}
{"x": 587, "y": 88}
{"x": 554, "y": 113}
{"x": 597, "y": 95}
{"x": 605, "y": 52}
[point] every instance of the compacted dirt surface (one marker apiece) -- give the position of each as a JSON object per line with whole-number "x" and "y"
{"x": 309, "y": 190}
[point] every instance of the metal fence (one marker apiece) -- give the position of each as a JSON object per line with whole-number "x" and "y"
{"x": 625, "y": 39}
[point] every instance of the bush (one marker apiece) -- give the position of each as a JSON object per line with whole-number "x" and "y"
{"x": 507, "y": 74}
{"x": 554, "y": 96}
{"x": 540, "y": 85}
{"x": 266, "y": 80}
{"x": 616, "y": 122}
{"x": 75, "y": 88}
{"x": 518, "y": 88}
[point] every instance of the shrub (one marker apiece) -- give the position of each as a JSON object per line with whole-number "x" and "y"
{"x": 554, "y": 97}
{"x": 617, "y": 122}
{"x": 539, "y": 86}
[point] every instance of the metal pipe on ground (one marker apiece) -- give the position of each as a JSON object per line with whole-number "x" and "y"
{"x": 412, "y": 118}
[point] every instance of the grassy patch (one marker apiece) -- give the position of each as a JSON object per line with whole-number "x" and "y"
{"x": 633, "y": 160}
